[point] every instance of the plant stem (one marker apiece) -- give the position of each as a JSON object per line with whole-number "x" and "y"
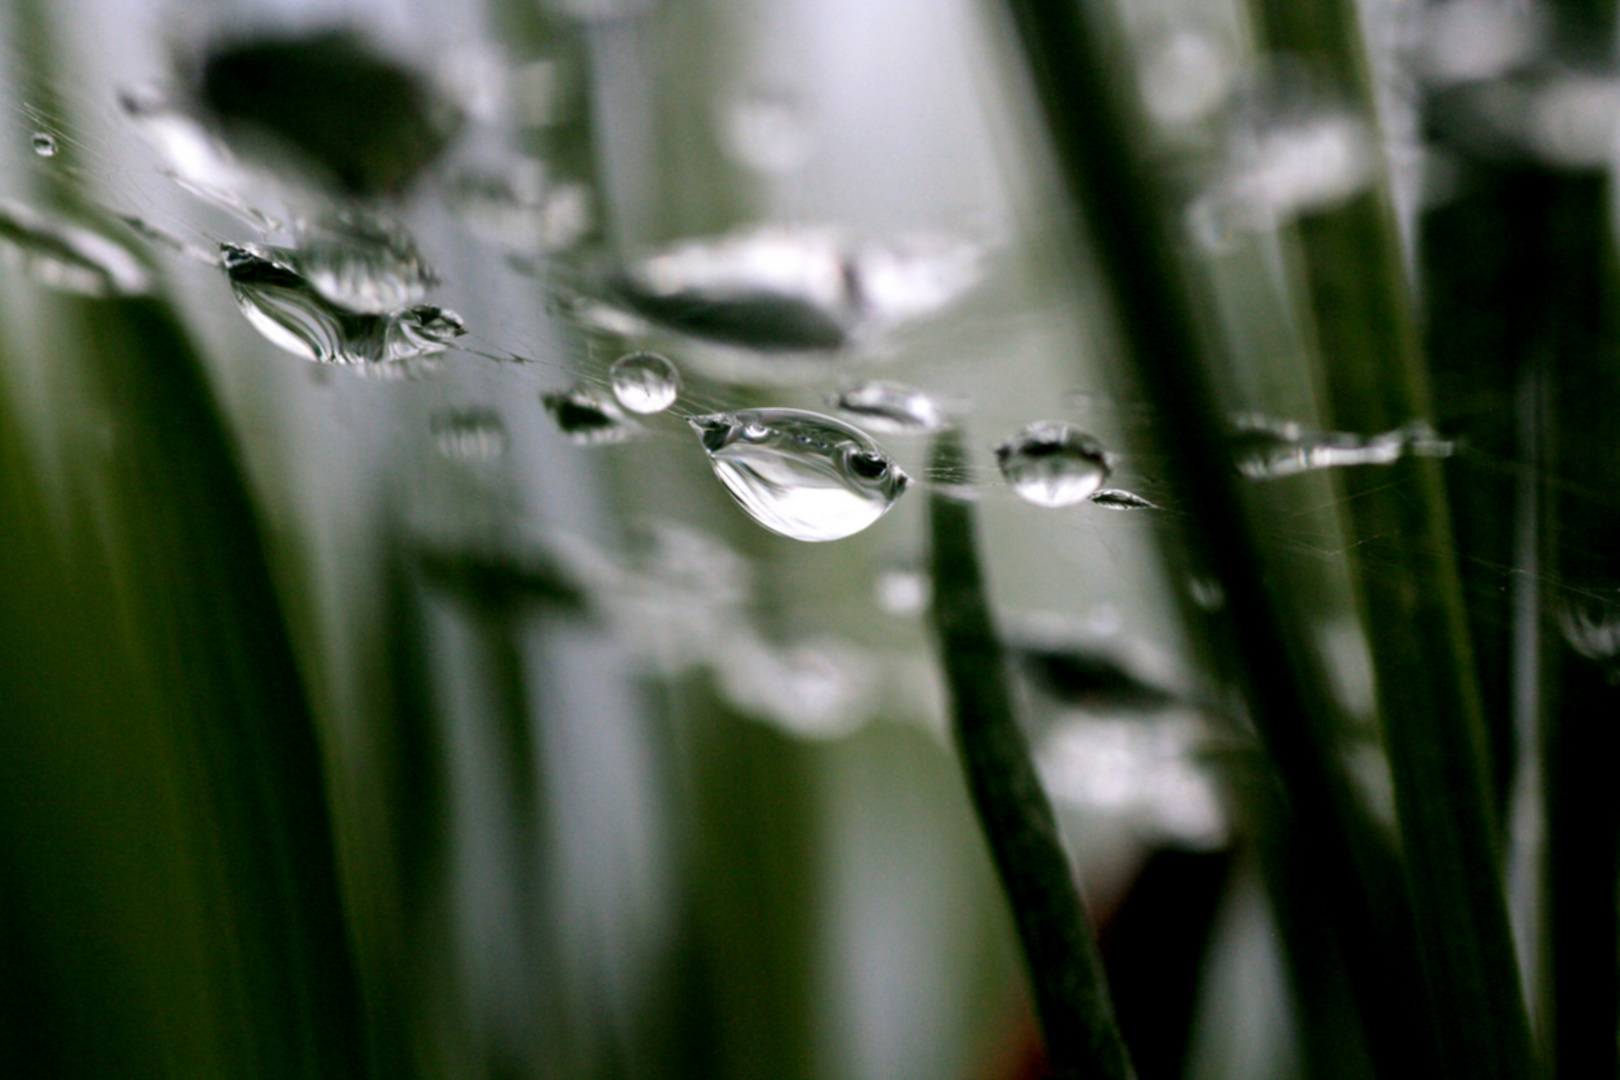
{"x": 1071, "y": 991}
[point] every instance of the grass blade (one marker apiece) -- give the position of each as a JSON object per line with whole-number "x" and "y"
{"x": 1071, "y": 991}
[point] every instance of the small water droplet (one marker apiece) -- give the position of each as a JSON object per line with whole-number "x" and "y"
{"x": 69, "y": 257}
{"x": 800, "y": 474}
{"x": 44, "y": 144}
{"x": 890, "y": 407}
{"x": 1115, "y": 499}
{"x": 1053, "y": 464}
{"x": 473, "y": 435}
{"x": 286, "y": 308}
{"x": 1265, "y": 448}
{"x": 645, "y": 382}
{"x": 587, "y": 419}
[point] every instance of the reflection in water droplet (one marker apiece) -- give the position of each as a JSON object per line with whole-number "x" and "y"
{"x": 1053, "y": 464}
{"x": 473, "y": 435}
{"x": 1265, "y": 448}
{"x": 645, "y": 382}
{"x": 766, "y": 129}
{"x": 800, "y": 474}
{"x": 890, "y": 407}
{"x": 586, "y": 419}
{"x": 287, "y": 309}
{"x": 361, "y": 263}
{"x": 1115, "y": 499}
{"x": 44, "y": 144}
{"x": 69, "y": 257}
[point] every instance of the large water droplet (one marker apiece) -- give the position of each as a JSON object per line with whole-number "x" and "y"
{"x": 1265, "y": 448}
{"x": 586, "y": 419}
{"x": 645, "y": 382}
{"x": 287, "y": 309}
{"x": 362, "y": 263}
{"x": 475, "y": 435}
{"x": 70, "y": 257}
{"x": 800, "y": 474}
{"x": 890, "y": 407}
{"x": 1053, "y": 464}
{"x": 44, "y": 144}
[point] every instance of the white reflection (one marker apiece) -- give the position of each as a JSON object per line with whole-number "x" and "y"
{"x": 1184, "y": 76}
{"x": 1472, "y": 40}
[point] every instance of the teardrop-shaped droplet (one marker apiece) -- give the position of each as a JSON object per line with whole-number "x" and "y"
{"x": 1053, "y": 464}
{"x": 282, "y": 305}
{"x": 891, "y": 407}
{"x": 68, "y": 257}
{"x": 44, "y": 144}
{"x": 473, "y": 435}
{"x": 800, "y": 474}
{"x": 1115, "y": 499}
{"x": 586, "y": 419}
{"x": 645, "y": 382}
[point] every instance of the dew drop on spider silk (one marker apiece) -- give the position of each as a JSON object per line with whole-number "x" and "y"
{"x": 1053, "y": 464}
{"x": 44, "y": 144}
{"x": 644, "y": 382}
{"x": 801, "y": 474}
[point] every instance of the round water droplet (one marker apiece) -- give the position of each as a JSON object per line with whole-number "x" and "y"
{"x": 473, "y": 435}
{"x": 44, "y": 144}
{"x": 890, "y": 407}
{"x": 68, "y": 257}
{"x": 800, "y": 474}
{"x": 1115, "y": 499}
{"x": 586, "y": 419}
{"x": 645, "y": 382}
{"x": 1053, "y": 464}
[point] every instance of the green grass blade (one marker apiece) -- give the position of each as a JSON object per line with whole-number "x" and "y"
{"x": 1071, "y": 991}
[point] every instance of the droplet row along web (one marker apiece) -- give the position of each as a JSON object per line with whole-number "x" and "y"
{"x": 350, "y": 288}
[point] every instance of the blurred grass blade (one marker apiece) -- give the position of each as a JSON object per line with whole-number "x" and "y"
{"x": 159, "y": 645}
{"x": 1071, "y": 991}
{"x": 1082, "y": 93}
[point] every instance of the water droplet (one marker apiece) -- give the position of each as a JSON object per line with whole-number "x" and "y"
{"x": 586, "y": 419}
{"x": 1265, "y": 448}
{"x": 287, "y": 309}
{"x": 645, "y": 382}
{"x": 765, "y": 129}
{"x": 1185, "y": 75}
{"x": 800, "y": 474}
{"x": 69, "y": 257}
{"x": 1115, "y": 499}
{"x": 44, "y": 144}
{"x": 361, "y": 263}
{"x": 890, "y": 407}
{"x": 473, "y": 435}
{"x": 1053, "y": 464}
